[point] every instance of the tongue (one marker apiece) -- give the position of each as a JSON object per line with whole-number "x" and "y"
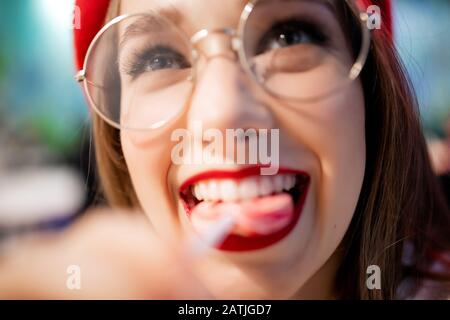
{"x": 260, "y": 216}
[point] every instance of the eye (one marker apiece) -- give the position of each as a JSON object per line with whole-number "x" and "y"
{"x": 155, "y": 59}
{"x": 290, "y": 33}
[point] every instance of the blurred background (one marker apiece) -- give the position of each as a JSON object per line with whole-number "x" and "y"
{"x": 47, "y": 172}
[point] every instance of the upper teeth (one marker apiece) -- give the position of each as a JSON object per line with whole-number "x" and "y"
{"x": 248, "y": 188}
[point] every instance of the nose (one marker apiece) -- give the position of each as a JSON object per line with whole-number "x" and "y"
{"x": 225, "y": 98}
{"x": 225, "y": 103}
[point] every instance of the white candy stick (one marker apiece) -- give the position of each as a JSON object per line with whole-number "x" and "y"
{"x": 198, "y": 244}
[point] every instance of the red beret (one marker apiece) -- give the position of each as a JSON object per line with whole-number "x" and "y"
{"x": 93, "y": 14}
{"x": 92, "y": 18}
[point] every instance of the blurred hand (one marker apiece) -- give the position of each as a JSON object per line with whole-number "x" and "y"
{"x": 117, "y": 254}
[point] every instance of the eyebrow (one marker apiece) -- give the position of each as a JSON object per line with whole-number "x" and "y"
{"x": 151, "y": 21}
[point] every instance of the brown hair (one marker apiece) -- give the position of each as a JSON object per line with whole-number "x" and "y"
{"x": 400, "y": 199}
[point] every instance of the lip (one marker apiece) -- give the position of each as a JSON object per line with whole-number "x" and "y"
{"x": 235, "y": 242}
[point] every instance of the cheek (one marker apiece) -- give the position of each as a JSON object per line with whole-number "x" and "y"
{"x": 334, "y": 133}
{"x": 148, "y": 161}
{"x": 343, "y": 160}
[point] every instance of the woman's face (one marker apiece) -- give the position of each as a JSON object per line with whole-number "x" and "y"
{"x": 287, "y": 226}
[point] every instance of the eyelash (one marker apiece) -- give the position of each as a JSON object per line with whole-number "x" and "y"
{"x": 141, "y": 58}
{"x": 312, "y": 29}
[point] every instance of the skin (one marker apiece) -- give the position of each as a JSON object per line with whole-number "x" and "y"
{"x": 118, "y": 257}
{"x": 325, "y": 138}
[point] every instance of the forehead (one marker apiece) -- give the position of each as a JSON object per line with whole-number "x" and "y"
{"x": 190, "y": 14}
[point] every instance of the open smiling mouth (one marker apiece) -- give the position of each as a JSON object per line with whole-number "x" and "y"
{"x": 265, "y": 208}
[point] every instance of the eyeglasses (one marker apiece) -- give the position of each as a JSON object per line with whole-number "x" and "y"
{"x": 140, "y": 70}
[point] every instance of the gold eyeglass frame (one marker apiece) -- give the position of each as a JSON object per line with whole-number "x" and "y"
{"x": 237, "y": 36}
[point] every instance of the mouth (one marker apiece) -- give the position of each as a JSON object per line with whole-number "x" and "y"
{"x": 265, "y": 208}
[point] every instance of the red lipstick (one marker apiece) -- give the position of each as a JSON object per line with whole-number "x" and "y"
{"x": 262, "y": 220}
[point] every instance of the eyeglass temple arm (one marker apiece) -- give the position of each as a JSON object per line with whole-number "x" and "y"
{"x": 80, "y": 76}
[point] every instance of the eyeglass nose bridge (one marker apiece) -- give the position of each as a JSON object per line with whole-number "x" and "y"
{"x": 220, "y": 49}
